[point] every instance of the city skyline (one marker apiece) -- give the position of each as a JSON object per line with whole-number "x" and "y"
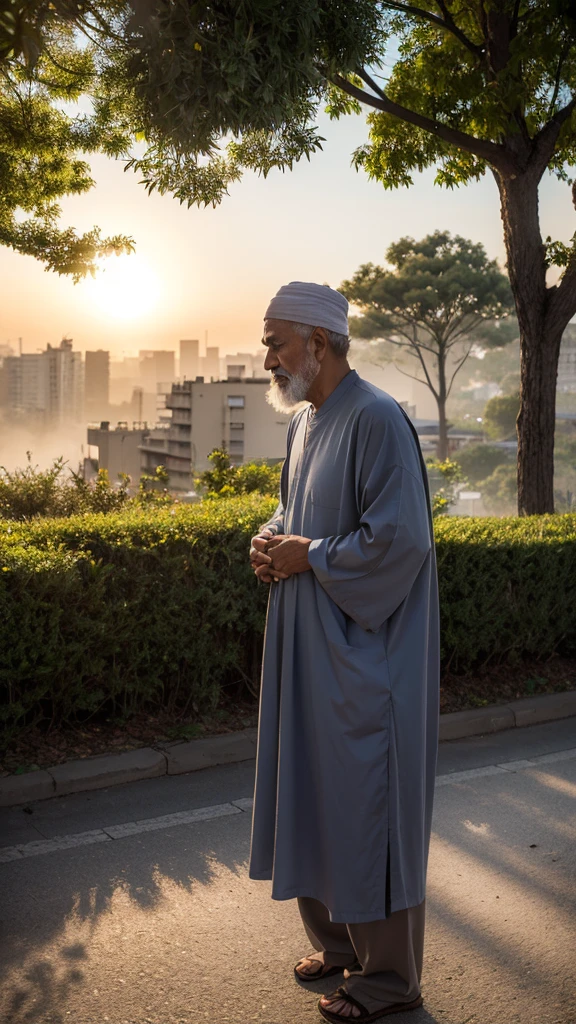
{"x": 214, "y": 270}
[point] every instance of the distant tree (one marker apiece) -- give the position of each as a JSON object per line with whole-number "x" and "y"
{"x": 499, "y": 491}
{"x": 440, "y": 296}
{"x": 478, "y": 461}
{"x": 500, "y": 417}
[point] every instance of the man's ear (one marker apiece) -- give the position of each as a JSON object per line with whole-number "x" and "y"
{"x": 320, "y": 342}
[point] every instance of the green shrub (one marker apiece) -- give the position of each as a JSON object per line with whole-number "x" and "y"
{"x": 30, "y": 492}
{"x": 225, "y": 480}
{"x": 138, "y": 609}
{"x": 507, "y": 589}
{"x": 158, "y": 607}
{"x": 443, "y": 478}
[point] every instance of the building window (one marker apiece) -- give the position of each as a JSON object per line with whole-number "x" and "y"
{"x": 235, "y": 401}
{"x": 236, "y": 447}
{"x": 236, "y": 426}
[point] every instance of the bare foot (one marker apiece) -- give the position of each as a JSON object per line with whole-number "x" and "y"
{"x": 310, "y": 968}
{"x": 336, "y": 1004}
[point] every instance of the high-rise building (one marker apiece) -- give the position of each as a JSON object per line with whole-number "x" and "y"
{"x": 65, "y": 383}
{"x": 211, "y": 363}
{"x": 97, "y": 384}
{"x": 47, "y": 386}
{"x": 189, "y": 359}
{"x": 156, "y": 367}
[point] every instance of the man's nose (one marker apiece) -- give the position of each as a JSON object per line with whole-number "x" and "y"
{"x": 271, "y": 360}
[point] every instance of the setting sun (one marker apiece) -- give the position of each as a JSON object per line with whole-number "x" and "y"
{"x": 125, "y": 288}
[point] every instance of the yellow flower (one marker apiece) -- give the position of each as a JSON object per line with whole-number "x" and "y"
{"x": 197, "y": 46}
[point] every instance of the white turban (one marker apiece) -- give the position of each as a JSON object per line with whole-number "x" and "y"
{"x": 313, "y": 304}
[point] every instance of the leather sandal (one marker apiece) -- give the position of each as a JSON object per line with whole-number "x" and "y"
{"x": 325, "y": 970}
{"x": 365, "y": 1016}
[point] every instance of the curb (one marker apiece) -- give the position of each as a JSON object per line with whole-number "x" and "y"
{"x": 178, "y": 758}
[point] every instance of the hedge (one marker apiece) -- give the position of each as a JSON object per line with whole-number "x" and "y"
{"x": 158, "y": 607}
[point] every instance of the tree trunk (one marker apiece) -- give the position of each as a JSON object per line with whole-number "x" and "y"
{"x": 441, "y": 399}
{"x": 539, "y": 343}
{"x": 442, "y": 447}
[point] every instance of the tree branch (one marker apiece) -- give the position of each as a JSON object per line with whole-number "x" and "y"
{"x": 413, "y": 377}
{"x": 565, "y": 51}
{"x": 424, "y": 367}
{"x": 458, "y": 368}
{"x": 543, "y": 143}
{"x": 491, "y": 152}
{"x": 446, "y": 23}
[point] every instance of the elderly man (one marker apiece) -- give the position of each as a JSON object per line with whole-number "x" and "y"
{"x": 349, "y": 702}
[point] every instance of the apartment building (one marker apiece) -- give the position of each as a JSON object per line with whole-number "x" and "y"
{"x": 169, "y": 443}
{"x": 118, "y": 449}
{"x": 206, "y": 415}
{"x": 46, "y": 387}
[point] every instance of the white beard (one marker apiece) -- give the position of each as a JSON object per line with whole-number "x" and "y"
{"x": 288, "y": 397}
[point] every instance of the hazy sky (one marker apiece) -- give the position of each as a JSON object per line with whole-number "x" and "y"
{"x": 214, "y": 270}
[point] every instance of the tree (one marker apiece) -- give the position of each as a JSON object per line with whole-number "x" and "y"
{"x": 486, "y": 85}
{"x": 175, "y": 77}
{"x": 43, "y": 66}
{"x": 491, "y": 86}
{"x": 500, "y": 416}
{"x": 474, "y": 87}
{"x": 478, "y": 461}
{"x": 441, "y": 296}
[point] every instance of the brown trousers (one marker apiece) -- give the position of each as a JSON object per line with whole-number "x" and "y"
{"x": 390, "y": 952}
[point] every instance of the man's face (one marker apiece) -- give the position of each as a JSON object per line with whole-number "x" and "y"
{"x": 293, "y": 365}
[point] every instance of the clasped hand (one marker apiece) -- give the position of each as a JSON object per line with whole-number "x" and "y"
{"x": 278, "y": 557}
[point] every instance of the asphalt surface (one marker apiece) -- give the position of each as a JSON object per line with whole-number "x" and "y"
{"x": 161, "y": 925}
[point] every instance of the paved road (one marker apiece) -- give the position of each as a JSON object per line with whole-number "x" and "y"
{"x": 157, "y": 922}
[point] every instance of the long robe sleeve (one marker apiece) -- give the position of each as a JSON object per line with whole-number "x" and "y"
{"x": 370, "y": 571}
{"x": 276, "y": 523}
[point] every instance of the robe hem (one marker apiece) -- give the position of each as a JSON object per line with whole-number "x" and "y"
{"x": 341, "y": 916}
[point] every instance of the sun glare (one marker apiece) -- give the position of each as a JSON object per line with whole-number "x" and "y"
{"x": 125, "y": 288}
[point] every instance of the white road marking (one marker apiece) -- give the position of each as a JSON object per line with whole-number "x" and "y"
{"x": 132, "y": 828}
{"x": 507, "y": 766}
{"x": 129, "y": 828}
{"x": 471, "y": 773}
{"x": 110, "y": 833}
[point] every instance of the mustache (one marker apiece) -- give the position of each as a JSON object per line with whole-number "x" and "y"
{"x": 281, "y": 373}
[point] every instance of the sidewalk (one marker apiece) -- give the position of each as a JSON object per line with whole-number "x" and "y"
{"x": 178, "y": 758}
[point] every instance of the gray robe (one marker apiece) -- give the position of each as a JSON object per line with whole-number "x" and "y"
{"x": 348, "y": 726}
